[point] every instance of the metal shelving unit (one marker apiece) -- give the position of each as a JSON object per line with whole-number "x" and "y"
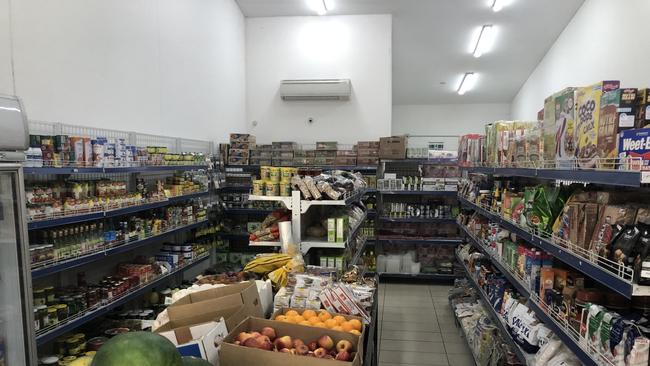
{"x": 417, "y": 219}
{"x": 97, "y": 215}
{"x": 66, "y": 264}
{"x": 421, "y": 193}
{"x": 421, "y": 241}
{"x": 419, "y": 276}
{"x": 495, "y": 317}
{"x": 112, "y": 170}
{"x": 624, "y": 178}
{"x": 561, "y": 329}
{"x": 71, "y": 323}
{"x": 619, "y": 281}
{"x": 248, "y": 211}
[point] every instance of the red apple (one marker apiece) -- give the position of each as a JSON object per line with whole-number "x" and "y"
{"x": 326, "y": 342}
{"x": 243, "y": 336}
{"x": 310, "y": 354}
{"x": 285, "y": 350}
{"x": 328, "y": 357}
{"x": 259, "y": 343}
{"x": 344, "y": 345}
{"x": 269, "y": 332}
{"x": 343, "y": 356}
{"x": 297, "y": 342}
{"x": 302, "y": 350}
{"x": 320, "y": 352}
{"x": 283, "y": 342}
{"x": 312, "y": 346}
{"x": 256, "y": 334}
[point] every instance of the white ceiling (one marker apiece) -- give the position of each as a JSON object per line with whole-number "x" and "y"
{"x": 431, "y": 40}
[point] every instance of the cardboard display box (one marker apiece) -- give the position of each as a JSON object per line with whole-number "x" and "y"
{"x": 201, "y": 340}
{"x": 282, "y": 311}
{"x": 233, "y": 355}
{"x": 392, "y": 147}
{"x": 233, "y": 302}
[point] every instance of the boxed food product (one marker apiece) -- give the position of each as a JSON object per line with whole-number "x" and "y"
{"x": 198, "y": 340}
{"x": 324, "y": 161}
{"x": 634, "y": 149}
{"x": 242, "y": 137}
{"x": 331, "y": 230}
{"x": 588, "y": 116}
{"x": 367, "y": 152}
{"x": 608, "y": 129}
{"x": 283, "y": 154}
{"x": 242, "y": 145}
{"x": 344, "y": 160}
{"x": 284, "y": 145}
{"x": 342, "y": 228}
{"x": 549, "y": 128}
{"x": 346, "y": 153}
{"x": 565, "y": 128}
{"x": 327, "y": 145}
{"x": 256, "y": 153}
{"x": 238, "y": 153}
{"x": 643, "y": 108}
{"x": 392, "y": 147}
{"x": 503, "y": 132}
{"x": 260, "y": 161}
{"x": 627, "y": 109}
{"x": 368, "y": 145}
{"x": 237, "y": 160}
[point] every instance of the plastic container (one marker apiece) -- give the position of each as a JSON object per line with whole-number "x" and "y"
{"x": 416, "y": 267}
{"x": 393, "y": 263}
{"x": 381, "y": 263}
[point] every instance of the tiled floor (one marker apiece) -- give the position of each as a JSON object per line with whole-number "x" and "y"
{"x": 416, "y": 327}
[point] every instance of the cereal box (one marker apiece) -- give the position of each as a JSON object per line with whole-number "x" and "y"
{"x": 608, "y": 128}
{"x": 565, "y": 128}
{"x": 588, "y": 116}
{"x": 634, "y": 149}
{"x": 548, "y": 128}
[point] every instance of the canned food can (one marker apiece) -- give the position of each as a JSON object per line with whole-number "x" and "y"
{"x": 265, "y": 173}
{"x": 274, "y": 173}
{"x": 286, "y": 174}
{"x": 285, "y": 189}
{"x": 272, "y": 189}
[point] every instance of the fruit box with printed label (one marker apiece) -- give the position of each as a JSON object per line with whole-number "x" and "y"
{"x": 283, "y": 311}
{"x": 262, "y": 353}
{"x": 199, "y": 340}
{"x": 634, "y": 149}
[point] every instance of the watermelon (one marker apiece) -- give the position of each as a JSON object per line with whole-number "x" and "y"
{"x": 138, "y": 348}
{"x": 193, "y": 361}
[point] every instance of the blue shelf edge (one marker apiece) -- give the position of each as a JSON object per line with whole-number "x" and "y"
{"x": 419, "y": 276}
{"x": 417, "y": 219}
{"x": 440, "y": 241}
{"x": 421, "y": 193}
{"x": 95, "y": 170}
{"x": 606, "y": 177}
{"x": 249, "y": 211}
{"x": 75, "y": 323}
{"x": 44, "y": 271}
{"x": 44, "y": 224}
{"x": 593, "y": 270}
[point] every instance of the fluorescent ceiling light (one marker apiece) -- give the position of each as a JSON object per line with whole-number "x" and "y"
{"x": 467, "y": 83}
{"x": 483, "y": 40}
{"x": 321, "y": 7}
{"x": 498, "y": 5}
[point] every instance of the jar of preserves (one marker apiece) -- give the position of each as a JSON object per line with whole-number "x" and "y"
{"x": 61, "y": 311}
{"x": 41, "y": 316}
{"x": 49, "y": 295}
{"x": 72, "y": 305}
{"x": 67, "y": 360}
{"x": 52, "y": 316}
{"x": 80, "y": 302}
{"x": 49, "y": 361}
{"x": 72, "y": 346}
{"x": 39, "y": 297}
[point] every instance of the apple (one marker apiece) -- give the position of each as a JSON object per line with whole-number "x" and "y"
{"x": 237, "y": 343}
{"x": 326, "y": 342}
{"x": 269, "y": 332}
{"x": 283, "y": 342}
{"x": 297, "y": 342}
{"x": 312, "y": 346}
{"x": 328, "y": 357}
{"x": 343, "y": 356}
{"x": 302, "y": 350}
{"x": 243, "y": 336}
{"x": 285, "y": 350}
{"x": 310, "y": 354}
{"x": 344, "y": 345}
{"x": 332, "y": 352}
{"x": 320, "y": 352}
{"x": 256, "y": 334}
{"x": 259, "y": 342}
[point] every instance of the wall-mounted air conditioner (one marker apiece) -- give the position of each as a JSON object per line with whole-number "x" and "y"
{"x": 321, "y": 89}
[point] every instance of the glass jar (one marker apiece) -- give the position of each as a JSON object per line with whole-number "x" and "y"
{"x": 67, "y": 360}
{"x": 52, "y": 316}
{"x": 49, "y": 361}
{"x": 61, "y": 311}
{"x": 39, "y": 297}
{"x": 37, "y": 322}
{"x": 41, "y": 315}
{"x": 72, "y": 305}
{"x": 80, "y": 302}
{"x": 59, "y": 346}
{"x": 49, "y": 295}
{"x": 72, "y": 345}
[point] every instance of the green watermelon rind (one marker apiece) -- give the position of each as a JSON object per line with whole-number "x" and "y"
{"x": 138, "y": 348}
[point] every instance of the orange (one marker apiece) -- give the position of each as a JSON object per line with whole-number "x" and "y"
{"x": 320, "y": 325}
{"x": 289, "y": 319}
{"x": 280, "y": 318}
{"x": 308, "y": 314}
{"x": 291, "y": 313}
{"x": 324, "y": 315}
{"x": 356, "y": 324}
{"x": 298, "y": 319}
{"x": 337, "y": 328}
{"x": 330, "y": 323}
{"x": 355, "y": 332}
{"x": 339, "y": 319}
{"x": 314, "y": 320}
{"x": 305, "y": 322}
{"x": 346, "y": 326}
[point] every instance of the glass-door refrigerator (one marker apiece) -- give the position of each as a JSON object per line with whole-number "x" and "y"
{"x": 17, "y": 340}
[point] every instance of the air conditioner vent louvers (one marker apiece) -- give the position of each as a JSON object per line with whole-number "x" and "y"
{"x": 318, "y": 89}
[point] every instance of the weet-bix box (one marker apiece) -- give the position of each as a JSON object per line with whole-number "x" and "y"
{"x": 634, "y": 149}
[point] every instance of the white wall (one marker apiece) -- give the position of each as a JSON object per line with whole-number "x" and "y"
{"x": 6, "y": 85}
{"x": 604, "y": 41}
{"x": 445, "y": 119}
{"x": 357, "y": 47}
{"x": 171, "y": 67}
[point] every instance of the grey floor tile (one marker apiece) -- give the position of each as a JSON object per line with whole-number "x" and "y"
{"x": 413, "y": 346}
{"x": 412, "y": 309}
{"x": 423, "y": 326}
{"x": 427, "y": 315}
{"x": 452, "y": 336}
{"x": 413, "y": 358}
{"x": 410, "y": 336}
{"x": 397, "y": 364}
{"x": 457, "y": 348}
{"x": 448, "y": 328}
{"x": 460, "y": 360}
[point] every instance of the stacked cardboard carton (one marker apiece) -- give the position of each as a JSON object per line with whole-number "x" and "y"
{"x": 283, "y": 153}
{"x": 368, "y": 152}
{"x": 240, "y": 147}
{"x": 393, "y": 148}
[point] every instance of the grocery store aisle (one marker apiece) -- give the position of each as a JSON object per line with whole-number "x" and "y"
{"x": 416, "y": 327}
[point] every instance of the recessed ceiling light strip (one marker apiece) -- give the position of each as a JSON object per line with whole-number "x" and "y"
{"x": 467, "y": 83}
{"x": 484, "y": 41}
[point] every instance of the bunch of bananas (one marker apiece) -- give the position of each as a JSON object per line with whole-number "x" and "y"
{"x": 276, "y": 267}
